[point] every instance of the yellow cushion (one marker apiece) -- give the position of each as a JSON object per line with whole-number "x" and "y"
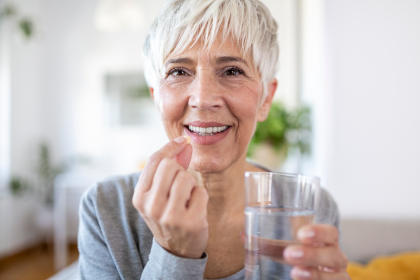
{"x": 402, "y": 267}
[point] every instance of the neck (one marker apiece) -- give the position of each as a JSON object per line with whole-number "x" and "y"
{"x": 226, "y": 190}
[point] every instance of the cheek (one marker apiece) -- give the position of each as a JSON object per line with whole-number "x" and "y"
{"x": 171, "y": 106}
{"x": 246, "y": 106}
{"x": 245, "y": 109}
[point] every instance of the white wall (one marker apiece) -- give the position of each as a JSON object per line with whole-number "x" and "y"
{"x": 371, "y": 105}
{"x": 18, "y": 229}
{"x": 21, "y": 128}
{"x": 4, "y": 104}
{"x": 26, "y": 112}
{"x": 284, "y": 11}
{"x": 77, "y": 56}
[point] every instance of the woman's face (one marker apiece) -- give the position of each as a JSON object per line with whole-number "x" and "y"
{"x": 214, "y": 96}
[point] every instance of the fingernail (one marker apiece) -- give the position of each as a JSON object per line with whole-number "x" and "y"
{"x": 306, "y": 233}
{"x": 297, "y": 272}
{"x": 188, "y": 139}
{"x": 294, "y": 253}
{"x": 180, "y": 139}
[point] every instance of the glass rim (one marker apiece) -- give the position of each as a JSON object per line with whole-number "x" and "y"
{"x": 286, "y": 174}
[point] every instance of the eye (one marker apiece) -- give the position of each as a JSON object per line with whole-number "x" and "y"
{"x": 233, "y": 71}
{"x": 176, "y": 72}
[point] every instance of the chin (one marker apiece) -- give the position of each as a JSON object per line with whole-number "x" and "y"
{"x": 207, "y": 167}
{"x": 211, "y": 164}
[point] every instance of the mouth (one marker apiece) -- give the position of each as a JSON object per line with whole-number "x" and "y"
{"x": 206, "y": 133}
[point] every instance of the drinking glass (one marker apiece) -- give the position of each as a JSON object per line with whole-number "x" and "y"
{"x": 277, "y": 205}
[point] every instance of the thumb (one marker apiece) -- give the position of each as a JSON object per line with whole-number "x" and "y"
{"x": 184, "y": 157}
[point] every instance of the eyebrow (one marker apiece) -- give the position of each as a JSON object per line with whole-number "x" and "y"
{"x": 179, "y": 60}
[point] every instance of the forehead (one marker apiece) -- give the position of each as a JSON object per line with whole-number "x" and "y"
{"x": 219, "y": 48}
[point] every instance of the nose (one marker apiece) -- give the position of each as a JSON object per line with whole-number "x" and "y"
{"x": 205, "y": 94}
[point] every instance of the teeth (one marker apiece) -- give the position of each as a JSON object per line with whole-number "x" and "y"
{"x": 207, "y": 130}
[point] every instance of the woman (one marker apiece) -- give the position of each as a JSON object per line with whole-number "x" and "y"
{"x": 210, "y": 66}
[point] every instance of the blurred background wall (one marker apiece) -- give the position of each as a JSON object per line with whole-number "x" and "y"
{"x": 370, "y": 119}
{"x": 356, "y": 63}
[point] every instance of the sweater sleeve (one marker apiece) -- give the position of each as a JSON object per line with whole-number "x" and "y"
{"x": 101, "y": 257}
{"x": 327, "y": 211}
{"x": 164, "y": 265}
{"x": 95, "y": 261}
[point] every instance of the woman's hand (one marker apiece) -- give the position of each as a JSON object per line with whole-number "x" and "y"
{"x": 318, "y": 256}
{"x": 171, "y": 203}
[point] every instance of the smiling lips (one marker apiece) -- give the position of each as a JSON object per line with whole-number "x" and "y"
{"x": 206, "y": 133}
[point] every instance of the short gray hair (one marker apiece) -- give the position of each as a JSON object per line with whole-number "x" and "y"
{"x": 184, "y": 22}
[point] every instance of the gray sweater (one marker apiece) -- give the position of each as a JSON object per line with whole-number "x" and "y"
{"x": 115, "y": 243}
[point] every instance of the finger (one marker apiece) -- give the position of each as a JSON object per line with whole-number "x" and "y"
{"x": 180, "y": 193}
{"x": 170, "y": 150}
{"x": 309, "y": 256}
{"x": 305, "y": 273}
{"x": 318, "y": 234}
{"x": 184, "y": 157}
{"x": 162, "y": 181}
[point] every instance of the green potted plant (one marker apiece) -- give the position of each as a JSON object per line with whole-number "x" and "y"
{"x": 283, "y": 130}
{"x": 18, "y": 185}
{"x": 24, "y": 24}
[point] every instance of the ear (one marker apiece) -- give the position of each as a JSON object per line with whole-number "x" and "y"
{"x": 266, "y": 104}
